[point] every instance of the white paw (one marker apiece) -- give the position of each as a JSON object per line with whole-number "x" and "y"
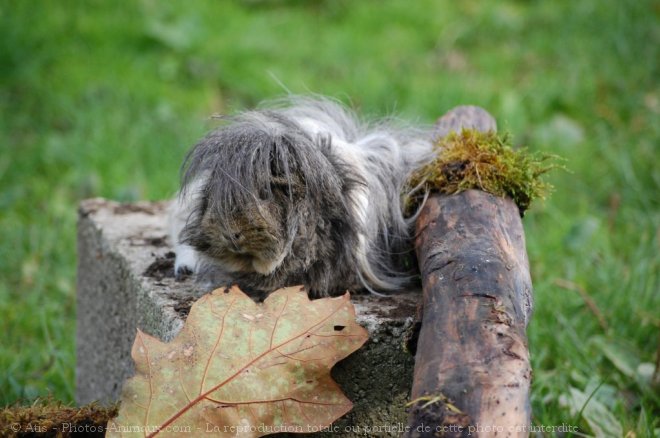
{"x": 186, "y": 261}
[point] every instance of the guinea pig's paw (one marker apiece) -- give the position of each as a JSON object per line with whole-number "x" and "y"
{"x": 185, "y": 262}
{"x": 182, "y": 272}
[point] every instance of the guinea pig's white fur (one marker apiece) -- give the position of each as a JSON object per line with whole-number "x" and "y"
{"x": 342, "y": 223}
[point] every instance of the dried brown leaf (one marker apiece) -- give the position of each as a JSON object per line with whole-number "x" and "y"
{"x": 241, "y": 368}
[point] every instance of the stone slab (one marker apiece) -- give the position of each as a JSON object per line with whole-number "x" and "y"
{"x": 126, "y": 281}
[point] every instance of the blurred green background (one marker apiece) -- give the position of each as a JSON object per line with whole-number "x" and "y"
{"x": 103, "y": 98}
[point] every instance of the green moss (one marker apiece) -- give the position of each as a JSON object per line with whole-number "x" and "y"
{"x": 486, "y": 161}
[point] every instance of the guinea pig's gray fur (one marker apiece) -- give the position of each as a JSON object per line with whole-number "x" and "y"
{"x": 299, "y": 192}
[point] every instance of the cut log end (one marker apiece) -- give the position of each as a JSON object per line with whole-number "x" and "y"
{"x": 464, "y": 117}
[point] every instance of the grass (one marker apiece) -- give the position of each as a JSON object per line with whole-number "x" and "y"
{"x": 102, "y": 99}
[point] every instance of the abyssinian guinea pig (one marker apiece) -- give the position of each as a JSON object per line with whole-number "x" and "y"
{"x": 298, "y": 192}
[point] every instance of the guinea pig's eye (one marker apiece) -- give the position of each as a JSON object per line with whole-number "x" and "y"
{"x": 284, "y": 189}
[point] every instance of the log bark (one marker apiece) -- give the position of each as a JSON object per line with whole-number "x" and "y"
{"x": 472, "y": 371}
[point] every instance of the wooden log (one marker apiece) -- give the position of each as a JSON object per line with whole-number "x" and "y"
{"x": 472, "y": 371}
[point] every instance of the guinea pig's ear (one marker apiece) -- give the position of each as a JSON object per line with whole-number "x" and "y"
{"x": 193, "y": 234}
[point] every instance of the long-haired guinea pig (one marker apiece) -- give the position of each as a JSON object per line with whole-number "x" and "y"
{"x": 301, "y": 192}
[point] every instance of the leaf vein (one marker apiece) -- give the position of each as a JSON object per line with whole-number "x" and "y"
{"x": 217, "y": 343}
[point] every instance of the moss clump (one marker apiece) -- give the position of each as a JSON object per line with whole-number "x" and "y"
{"x": 46, "y": 418}
{"x": 485, "y": 161}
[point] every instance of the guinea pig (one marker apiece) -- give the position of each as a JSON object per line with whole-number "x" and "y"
{"x": 301, "y": 192}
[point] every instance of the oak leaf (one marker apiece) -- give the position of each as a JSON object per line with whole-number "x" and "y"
{"x": 238, "y": 368}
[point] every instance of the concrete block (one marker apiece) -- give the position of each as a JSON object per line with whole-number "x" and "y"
{"x": 126, "y": 280}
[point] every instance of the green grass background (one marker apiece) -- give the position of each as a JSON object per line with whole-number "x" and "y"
{"x": 103, "y": 98}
